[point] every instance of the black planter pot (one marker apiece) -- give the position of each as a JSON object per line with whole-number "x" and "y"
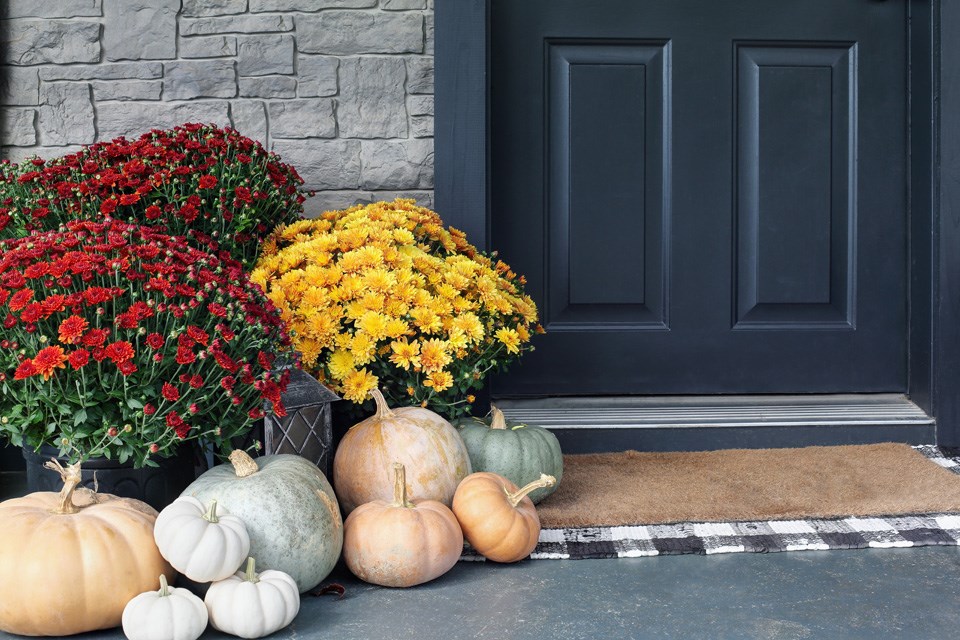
{"x": 157, "y": 486}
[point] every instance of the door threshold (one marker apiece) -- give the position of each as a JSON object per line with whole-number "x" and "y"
{"x": 670, "y": 423}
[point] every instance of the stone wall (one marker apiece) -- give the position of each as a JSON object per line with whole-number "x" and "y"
{"x": 341, "y": 89}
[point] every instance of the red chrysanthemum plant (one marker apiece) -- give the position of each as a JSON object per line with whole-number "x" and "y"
{"x": 123, "y": 342}
{"x": 218, "y": 188}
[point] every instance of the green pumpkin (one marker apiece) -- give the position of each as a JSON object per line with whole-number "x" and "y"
{"x": 519, "y": 452}
{"x": 289, "y": 508}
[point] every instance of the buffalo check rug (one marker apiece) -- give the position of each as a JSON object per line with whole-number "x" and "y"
{"x": 756, "y": 536}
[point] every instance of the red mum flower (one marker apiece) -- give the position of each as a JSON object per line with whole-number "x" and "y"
{"x": 149, "y": 409}
{"x": 227, "y": 383}
{"x": 127, "y": 367}
{"x": 218, "y": 310}
{"x": 208, "y": 182}
{"x": 196, "y": 381}
{"x": 154, "y": 340}
{"x": 153, "y": 212}
{"x": 108, "y": 206}
{"x": 169, "y": 392}
{"x": 32, "y": 312}
{"x": 255, "y": 413}
{"x": 199, "y": 335}
{"x": 20, "y": 299}
{"x": 243, "y": 194}
{"x": 96, "y": 337}
{"x": 25, "y": 370}
{"x": 72, "y": 329}
{"x": 48, "y": 360}
{"x": 10, "y": 321}
{"x": 79, "y": 358}
{"x": 119, "y": 351}
{"x": 185, "y": 355}
{"x": 129, "y": 198}
{"x": 265, "y": 360}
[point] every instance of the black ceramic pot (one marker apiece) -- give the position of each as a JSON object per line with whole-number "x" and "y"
{"x": 157, "y": 486}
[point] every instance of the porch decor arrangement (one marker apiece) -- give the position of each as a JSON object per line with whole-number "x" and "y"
{"x": 219, "y": 189}
{"x": 424, "y": 443}
{"x": 288, "y": 507}
{"x": 888, "y": 495}
{"x": 172, "y": 613}
{"x": 384, "y": 296}
{"x": 520, "y": 452}
{"x": 252, "y": 605}
{"x": 77, "y": 553}
{"x": 200, "y": 541}
{"x": 401, "y": 543}
{"x": 124, "y": 342}
{"x": 498, "y": 520}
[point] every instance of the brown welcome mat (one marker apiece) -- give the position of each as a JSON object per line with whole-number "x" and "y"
{"x": 607, "y": 490}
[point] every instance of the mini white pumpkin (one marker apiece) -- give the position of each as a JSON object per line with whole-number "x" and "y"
{"x": 200, "y": 543}
{"x": 252, "y": 605}
{"x": 167, "y": 614}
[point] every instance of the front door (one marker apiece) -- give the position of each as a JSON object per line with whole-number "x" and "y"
{"x": 706, "y": 197}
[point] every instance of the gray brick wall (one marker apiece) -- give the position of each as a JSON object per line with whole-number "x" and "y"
{"x": 341, "y": 89}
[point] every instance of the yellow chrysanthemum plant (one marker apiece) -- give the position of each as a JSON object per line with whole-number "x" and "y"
{"x": 384, "y": 296}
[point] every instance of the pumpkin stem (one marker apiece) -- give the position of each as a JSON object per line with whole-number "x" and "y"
{"x": 251, "y": 574}
{"x": 400, "y": 487}
{"x": 243, "y": 464}
{"x": 543, "y": 481}
{"x": 211, "y": 514}
{"x": 498, "y": 421}
{"x": 164, "y": 588}
{"x": 71, "y": 478}
{"x": 383, "y": 409}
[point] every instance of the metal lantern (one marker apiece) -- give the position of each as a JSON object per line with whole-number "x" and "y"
{"x": 306, "y": 430}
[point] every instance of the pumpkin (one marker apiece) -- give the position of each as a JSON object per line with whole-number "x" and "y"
{"x": 200, "y": 543}
{"x": 73, "y": 560}
{"x": 252, "y": 605}
{"x": 289, "y": 509}
{"x": 428, "y": 446}
{"x": 401, "y": 543}
{"x": 516, "y": 451}
{"x": 498, "y": 519}
{"x": 167, "y": 614}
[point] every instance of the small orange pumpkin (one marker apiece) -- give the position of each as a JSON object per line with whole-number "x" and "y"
{"x": 498, "y": 519}
{"x": 77, "y": 562}
{"x": 401, "y": 543}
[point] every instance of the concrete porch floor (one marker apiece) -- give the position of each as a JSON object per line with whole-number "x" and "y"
{"x": 876, "y": 593}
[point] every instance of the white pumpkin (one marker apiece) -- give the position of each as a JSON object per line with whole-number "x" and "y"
{"x": 252, "y": 605}
{"x": 167, "y": 614}
{"x": 203, "y": 544}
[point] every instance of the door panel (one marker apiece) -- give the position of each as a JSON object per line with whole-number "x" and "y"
{"x": 704, "y": 198}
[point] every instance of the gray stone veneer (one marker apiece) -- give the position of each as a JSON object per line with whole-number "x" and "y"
{"x": 341, "y": 89}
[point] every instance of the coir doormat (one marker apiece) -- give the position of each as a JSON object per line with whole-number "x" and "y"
{"x": 760, "y": 501}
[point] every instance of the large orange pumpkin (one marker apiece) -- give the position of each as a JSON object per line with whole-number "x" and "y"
{"x": 428, "y": 447}
{"x": 73, "y": 561}
{"x": 401, "y": 543}
{"x": 498, "y": 519}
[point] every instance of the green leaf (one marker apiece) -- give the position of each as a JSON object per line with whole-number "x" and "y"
{"x": 124, "y": 456}
{"x": 134, "y": 403}
{"x": 79, "y": 417}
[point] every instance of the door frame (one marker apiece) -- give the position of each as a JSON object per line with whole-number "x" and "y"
{"x": 462, "y": 188}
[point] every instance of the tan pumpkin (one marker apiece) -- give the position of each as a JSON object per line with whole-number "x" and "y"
{"x": 428, "y": 446}
{"x": 401, "y": 543}
{"x": 74, "y": 560}
{"x": 498, "y": 519}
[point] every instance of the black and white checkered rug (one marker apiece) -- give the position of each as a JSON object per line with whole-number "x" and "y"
{"x": 763, "y": 536}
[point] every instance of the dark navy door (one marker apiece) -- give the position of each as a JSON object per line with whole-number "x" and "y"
{"x": 706, "y": 197}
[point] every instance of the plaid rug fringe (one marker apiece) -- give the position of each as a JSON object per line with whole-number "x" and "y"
{"x": 763, "y": 536}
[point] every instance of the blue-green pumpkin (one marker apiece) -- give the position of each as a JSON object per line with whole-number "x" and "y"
{"x": 289, "y": 508}
{"x": 519, "y": 452}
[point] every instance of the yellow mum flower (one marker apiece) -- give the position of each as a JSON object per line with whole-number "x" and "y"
{"x": 374, "y": 324}
{"x": 358, "y": 384}
{"x": 363, "y": 348}
{"x": 309, "y": 351}
{"x": 434, "y": 355}
{"x": 396, "y": 328}
{"x": 510, "y": 339}
{"x": 439, "y": 380}
{"x": 405, "y": 354}
{"x": 340, "y": 364}
{"x": 426, "y": 320}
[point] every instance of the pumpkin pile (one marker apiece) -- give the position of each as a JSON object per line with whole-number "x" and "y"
{"x": 414, "y": 486}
